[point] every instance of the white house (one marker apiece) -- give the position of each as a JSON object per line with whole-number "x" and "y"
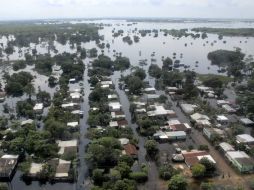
{"x": 245, "y": 138}
{"x": 62, "y": 169}
{"x": 225, "y": 147}
{"x": 112, "y": 97}
{"x": 29, "y": 121}
{"x": 228, "y": 108}
{"x": 160, "y": 111}
{"x": 38, "y": 108}
{"x": 67, "y": 145}
{"x": 222, "y": 119}
{"x": 188, "y": 108}
{"x": 222, "y": 102}
{"x": 201, "y": 120}
{"x": 73, "y": 124}
{"x": 243, "y": 162}
{"x": 246, "y": 121}
{"x": 150, "y": 90}
{"x": 114, "y": 106}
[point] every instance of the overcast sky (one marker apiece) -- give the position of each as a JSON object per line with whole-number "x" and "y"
{"x": 36, "y": 9}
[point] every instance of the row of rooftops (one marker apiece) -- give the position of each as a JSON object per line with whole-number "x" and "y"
{"x": 242, "y": 161}
{"x": 62, "y": 166}
{"x": 118, "y": 120}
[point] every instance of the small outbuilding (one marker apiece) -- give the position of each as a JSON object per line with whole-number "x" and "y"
{"x": 38, "y": 108}
{"x": 246, "y": 122}
{"x": 245, "y": 139}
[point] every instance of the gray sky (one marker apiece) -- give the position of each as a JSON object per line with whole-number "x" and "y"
{"x": 34, "y": 9}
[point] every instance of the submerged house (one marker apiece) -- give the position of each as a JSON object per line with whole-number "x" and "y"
{"x": 114, "y": 106}
{"x": 228, "y": 108}
{"x": 68, "y": 147}
{"x": 27, "y": 122}
{"x": 8, "y": 164}
{"x": 201, "y": 120}
{"x": 35, "y": 169}
{"x": 193, "y": 157}
{"x": 70, "y": 106}
{"x": 75, "y": 96}
{"x": 188, "y": 108}
{"x": 222, "y": 119}
{"x": 243, "y": 162}
{"x": 38, "y": 108}
{"x": 160, "y": 111}
{"x": 245, "y": 139}
{"x": 130, "y": 150}
{"x": 246, "y": 122}
{"x": 63, "y": 169}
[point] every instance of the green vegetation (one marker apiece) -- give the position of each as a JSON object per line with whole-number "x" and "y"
{"x": 93, "y": 52}
{"x": 103, "y": 152}
{"x": 232, "y": 60}
{"x": 151, "y": 147}
{"x": 128, "y": 40}
{"x": 17, "y": 83}
{"x": 155, "y": 71}
{"x": 177, "y": 182}
{"x": 167, "y": 64}
{"x": 43, "y": 97}
{"x": 43, "y": 64}
{"x": 198, "y": 170}
{"x": 225, "y": 57}
{"x": 166, "y": 171}
{"x": 23, "y": 142}
{"x": 30, "y": 32}
{"x": 17, "y": 65}
{"x": 179, "y": 33}
{"x": 121, "y": 63}
{"x": 210, "y": 77}
{"x": 103, "y": 65}
{"x": 134, "y": 81}
{"x": 25, "y": 109}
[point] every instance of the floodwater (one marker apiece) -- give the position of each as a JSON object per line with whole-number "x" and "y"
{"x": 161, "y": 46}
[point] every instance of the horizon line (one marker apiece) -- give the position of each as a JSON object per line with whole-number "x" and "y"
{"x": 128, "y": 18}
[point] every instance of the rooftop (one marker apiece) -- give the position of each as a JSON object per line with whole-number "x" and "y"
{"x": 35, "y": 168}
{"x": 160, "y": 110}
{"x": 73, "y": 124}
{"x": 198, "y": 116}
{"x": 115, "y": 105}
{"x": 194, "y": 156}
{"x": 246, "y": 121}
{"x": 66, "y": 144}
{"x": 226, "y": 147}
{"x": 63, "y": 168}
{"x": 244, "y": 138}
{"x": 237, "y": 154}
{"x": 38, "y": 106}
{"x": 130, "y": 149}
{"x": 124, "y": 141}
{"x": 29, "y": 121}
{"x": 222, "y": 118}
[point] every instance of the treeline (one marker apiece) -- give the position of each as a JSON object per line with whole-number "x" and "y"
{"x": 246, "y": 32}
{"x": 26, "y": 33}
